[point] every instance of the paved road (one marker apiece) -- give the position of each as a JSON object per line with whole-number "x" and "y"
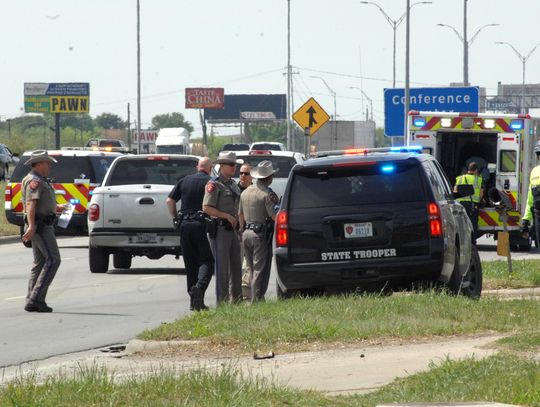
{"x": 91, "y": 310}
{"x": 95, "y": 310}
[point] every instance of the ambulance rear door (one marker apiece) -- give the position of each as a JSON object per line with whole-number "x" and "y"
{"x": 508, "y": 164}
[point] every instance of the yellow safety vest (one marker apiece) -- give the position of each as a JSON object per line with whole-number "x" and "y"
{"x": 475, "y": 181}
{"x": 534, "y": 181}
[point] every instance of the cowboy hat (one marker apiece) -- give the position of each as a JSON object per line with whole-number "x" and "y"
{"x": 228, "y": 157}
{"x": 40, "y": 156}
{"x": 263, "y": 170}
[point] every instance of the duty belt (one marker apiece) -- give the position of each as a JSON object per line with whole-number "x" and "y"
{"x": 256, "y": 227}
{"x": 199, "y": 216}
{"x": 224, "y": 223}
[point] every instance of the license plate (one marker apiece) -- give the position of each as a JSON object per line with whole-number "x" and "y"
{"x": 355, "y": 230}
{"x": 146, "y": 238}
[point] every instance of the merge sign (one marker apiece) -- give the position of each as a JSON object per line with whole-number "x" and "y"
{"x": 311, "y": 116}
{"x": 205, "y": 98}
{"x": 57, "y": 97}
{"x": 450, "y": 99}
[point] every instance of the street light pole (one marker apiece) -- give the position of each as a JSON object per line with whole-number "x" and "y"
{"x": 523, "y": 60}
{"x": 394, "y": 24}
{"x": 138, "y": 77}
{"x": 334, "y": 95}
{"x": 466, "y": 42}
{"x": 367, "y": 97}
{"x": 407, "y": 82}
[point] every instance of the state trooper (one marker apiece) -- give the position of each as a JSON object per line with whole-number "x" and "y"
{"x": 257, "y": 207}
{"x": 221, "y": 201}
{"x": 198, "y": 258}
{"x": 532, "y": 208}
{"x": 471, "y": 203}
{"x": 243, "y": 184}
{"x": 39, "y": 201}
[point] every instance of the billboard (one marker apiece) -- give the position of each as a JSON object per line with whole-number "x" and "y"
{"x": 236, "y": 104}
{"x": 57, "y": 97}
{"x": 204, "y": 98}
{"x": 148, "y": 140}
{"x": 450, "y": 99}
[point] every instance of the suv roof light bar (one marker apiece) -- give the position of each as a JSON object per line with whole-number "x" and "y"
{"x": 365, "y": 151}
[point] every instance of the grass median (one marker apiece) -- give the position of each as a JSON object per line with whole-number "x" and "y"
{"x": 501, "y": 378}
{"x": 525, "y": 273}
{"x": 297, "y": 323}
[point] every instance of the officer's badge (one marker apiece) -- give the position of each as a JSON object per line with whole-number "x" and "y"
{"x": 210, "y": 187}
{"x": 34, "y": 184}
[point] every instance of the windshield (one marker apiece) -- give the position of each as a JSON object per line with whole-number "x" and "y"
{"x": 170, "y": 149}
{"x": 349, "y": 186}
{"x": 148, "y": 171}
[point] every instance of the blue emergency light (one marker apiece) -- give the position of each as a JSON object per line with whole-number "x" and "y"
{"x": 405, "y": 149}
{"x": 387, "y": 169}
{"x": 74, "y": 201}
{"x": 516, "y": 124}
{"x": 419, "y": 121}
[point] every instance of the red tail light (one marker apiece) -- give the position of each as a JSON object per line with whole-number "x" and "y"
{"x": 7, "y": 197}
{"x": 282, "y": 229}
{"x": 93, "y": 212}
{"x": 435, "y": 221}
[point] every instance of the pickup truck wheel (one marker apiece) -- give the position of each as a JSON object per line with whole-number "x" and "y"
{"x": 122, "y": 260}
{"x": 470, "y": 284}
{"x": 99, "y": 260}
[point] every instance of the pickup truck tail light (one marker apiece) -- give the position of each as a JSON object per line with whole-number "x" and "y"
{"x": 93, "y": 212}
{"x": 435, "y": 220}
{"x": 282, "y": 229}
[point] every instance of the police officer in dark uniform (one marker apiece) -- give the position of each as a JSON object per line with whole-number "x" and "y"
{"x": 40, "y": 206}
{"x": 221, "y": 201}
{"x": 257, "y": 206}
{"x": 195, "y": 248}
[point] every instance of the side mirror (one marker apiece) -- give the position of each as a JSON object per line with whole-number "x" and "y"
{"x": 463, "y": 191}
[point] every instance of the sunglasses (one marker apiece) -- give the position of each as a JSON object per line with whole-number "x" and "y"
{"x": 245, "y": 173}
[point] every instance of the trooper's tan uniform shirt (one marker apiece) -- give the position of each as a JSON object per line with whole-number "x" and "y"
{"x": 36, "y": 187}
{"x": 256, "y": 205}
{"x": 225, "y": 196}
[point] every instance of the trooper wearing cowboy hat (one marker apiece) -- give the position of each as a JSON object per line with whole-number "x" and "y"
{"x": 257, "y": 205}
{"x": 221, "y": 201}
{"x": 40, "y": 206}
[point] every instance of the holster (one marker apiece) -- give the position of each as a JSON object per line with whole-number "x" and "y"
{"x": 211, "y": 226}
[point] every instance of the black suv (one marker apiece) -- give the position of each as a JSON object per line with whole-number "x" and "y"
{"x": 377, "y": 218}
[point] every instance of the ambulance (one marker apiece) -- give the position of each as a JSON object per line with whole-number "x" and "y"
{"x": 73, "y": 177}
{"x": 504, "y": 141}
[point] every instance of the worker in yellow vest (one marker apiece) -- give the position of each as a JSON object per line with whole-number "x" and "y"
{"x": 532, "y": 209}
{"x": 472, "y": 202}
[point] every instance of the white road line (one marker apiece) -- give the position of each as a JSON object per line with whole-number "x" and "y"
{"x": 15, "y": 298}
{"x": 154, "y": 277}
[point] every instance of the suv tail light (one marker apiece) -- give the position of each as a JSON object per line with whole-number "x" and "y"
{"x": 282, "y": 229}
{"x": 435, "y": 220}
{"x": 93, "y": 212}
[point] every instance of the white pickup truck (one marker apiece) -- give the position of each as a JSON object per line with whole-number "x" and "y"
{"x": 128, "y": 215}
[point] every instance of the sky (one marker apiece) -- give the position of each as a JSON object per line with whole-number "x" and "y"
{"x": 241, "y": 45}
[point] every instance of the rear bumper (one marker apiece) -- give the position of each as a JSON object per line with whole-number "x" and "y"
{"x": 356, "y": 274}
{"x": 127, "y": 239}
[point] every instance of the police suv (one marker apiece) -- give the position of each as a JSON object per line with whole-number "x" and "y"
{"x": 366, "y": 218}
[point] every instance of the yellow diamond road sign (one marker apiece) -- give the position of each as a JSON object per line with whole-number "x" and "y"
{"x": 311, "y": 116}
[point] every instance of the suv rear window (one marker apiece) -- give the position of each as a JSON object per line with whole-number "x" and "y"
{"x": 284, "y": 164}
{"x": 266, "y": 146}
{"x": 145, "y": 171}
{"x": 70, "y": 168}
{"x": 356, "y": 185}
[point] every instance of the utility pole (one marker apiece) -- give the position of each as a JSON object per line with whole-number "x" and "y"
{"x": 465, "y": 47}
{"x": 203, "y": 123}
{"x": 138, "y": 77}
{"x": 9, "y": 128}
{"x": 57, "y": 131}
{"x": 289, "y": 79}
{"x": 129, "y": 127}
